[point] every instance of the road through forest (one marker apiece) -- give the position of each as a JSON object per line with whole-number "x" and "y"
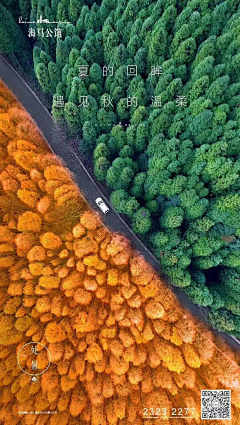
{"x": 83, "y": 179}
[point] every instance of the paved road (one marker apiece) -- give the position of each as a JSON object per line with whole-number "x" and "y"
{"x": 88, "y": 187}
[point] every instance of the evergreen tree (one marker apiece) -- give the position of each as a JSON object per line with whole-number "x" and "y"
{"x": 12, "y": 40}
{"x": 43, "y": 77}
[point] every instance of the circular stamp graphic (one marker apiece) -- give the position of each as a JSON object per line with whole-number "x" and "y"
{"x": 34, "y": 358}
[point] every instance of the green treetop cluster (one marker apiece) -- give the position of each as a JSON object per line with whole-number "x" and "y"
{"x": 12, "y": 38}
{"x": 174, "y": 169}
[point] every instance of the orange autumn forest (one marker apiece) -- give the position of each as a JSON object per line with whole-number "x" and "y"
{"x": 118, "y": 337}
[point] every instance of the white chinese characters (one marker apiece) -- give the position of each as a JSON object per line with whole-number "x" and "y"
{"x": 156, "y": 101}
{"x": 107, "y": 70}
{"x": 84, "y": 101}
{"x": 107, "y": 100}
{"x": 56, "y": 33}
{"x": 83, "y": 71}
{"x": 156, "y": 70}
{"x": 181, "y": 101}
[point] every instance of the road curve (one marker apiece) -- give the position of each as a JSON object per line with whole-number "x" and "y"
{"x": 87, "y": 185}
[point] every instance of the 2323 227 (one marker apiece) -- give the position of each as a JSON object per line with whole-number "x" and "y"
{"x": 164, "y": 413}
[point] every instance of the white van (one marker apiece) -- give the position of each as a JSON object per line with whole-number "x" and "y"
{"x": 101, "y": 204}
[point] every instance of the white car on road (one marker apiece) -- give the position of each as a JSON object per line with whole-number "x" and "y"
{"x": 101, "y": 204}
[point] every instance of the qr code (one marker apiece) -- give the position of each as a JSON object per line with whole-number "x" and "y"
{"x": 215, "y": 404}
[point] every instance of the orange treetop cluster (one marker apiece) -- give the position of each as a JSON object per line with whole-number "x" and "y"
{"x": 118, "y": 337}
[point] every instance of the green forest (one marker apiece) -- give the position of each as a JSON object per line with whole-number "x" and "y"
{"x": 173, "y": 169}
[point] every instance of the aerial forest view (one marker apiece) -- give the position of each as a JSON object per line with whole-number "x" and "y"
{"x": 173, "y": 168}
{"x": 146, "y": 97}
{"x": 119, "y": 340}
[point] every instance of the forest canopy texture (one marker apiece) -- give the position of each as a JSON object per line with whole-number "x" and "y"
{"x": 119, "y": 339}
{"x": 174, "y": 169}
